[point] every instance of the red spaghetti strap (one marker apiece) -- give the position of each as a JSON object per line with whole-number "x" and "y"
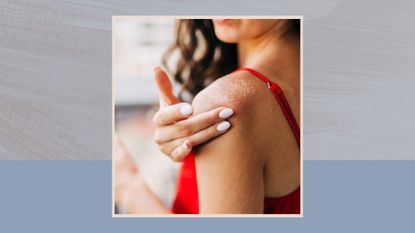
{"x": 282, "y": 101}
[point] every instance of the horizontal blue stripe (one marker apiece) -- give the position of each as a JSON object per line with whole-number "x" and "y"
{"x": 75, "y": 196}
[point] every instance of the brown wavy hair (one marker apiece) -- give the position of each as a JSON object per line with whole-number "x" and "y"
{"x": 202, "y": 56}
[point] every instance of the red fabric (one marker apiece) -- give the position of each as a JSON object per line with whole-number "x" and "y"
{"x": 187, "y": 199}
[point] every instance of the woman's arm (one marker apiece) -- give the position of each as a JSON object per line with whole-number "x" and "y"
{"x": 230, "y": 168}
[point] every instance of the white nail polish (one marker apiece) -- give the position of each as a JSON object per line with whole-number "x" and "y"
{"x": 225, "y": 113}
{"x": 185, "y": 146}
{"x": 223, "y": 126}
{"x": 186, "y": 110}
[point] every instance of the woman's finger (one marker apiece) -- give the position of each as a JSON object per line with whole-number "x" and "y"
{"x": 192, "y": 125}
{"x": 209, "y": 133}
{"x": 172, "y": 113}
{"x": 164, "y": 86}
{"x": 181, "y": 152}
{"x": 168, "y": 148}
{"x": 179, "y": 149}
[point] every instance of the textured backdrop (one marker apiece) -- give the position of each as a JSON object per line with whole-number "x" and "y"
{"x": 55, "y": 74}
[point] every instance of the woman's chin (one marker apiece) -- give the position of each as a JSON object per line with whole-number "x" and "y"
{"x": 226, "y": 37}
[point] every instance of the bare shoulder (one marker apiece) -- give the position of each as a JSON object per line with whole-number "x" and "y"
{"x": 255, "y": 154}
{"x": 243, "y": 93}
{"x": 239, "y": 91}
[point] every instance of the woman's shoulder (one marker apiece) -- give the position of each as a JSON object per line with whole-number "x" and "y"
{"x": 255, "y": 109}
{"x": 239, "y": 91}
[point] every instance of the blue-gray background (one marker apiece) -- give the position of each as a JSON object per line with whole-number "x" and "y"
{"x": 75, "y": 196}
{"x": 55, "y": 104}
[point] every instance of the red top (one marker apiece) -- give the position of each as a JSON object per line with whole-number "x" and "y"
{"x": 187, "y": 200}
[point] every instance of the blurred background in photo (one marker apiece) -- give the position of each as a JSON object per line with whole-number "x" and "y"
{"x": 138, "y": 47}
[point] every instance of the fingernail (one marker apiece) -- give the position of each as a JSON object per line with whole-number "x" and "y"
{"x": 223, "y": 126}
{"x": 155, "y": 68}
{"x": 186, "y": 145}
{"x": 225, "y": 113}
{"x": 186, "y": 110}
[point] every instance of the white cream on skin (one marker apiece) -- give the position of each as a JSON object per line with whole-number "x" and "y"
{"x": 227, "y": 90}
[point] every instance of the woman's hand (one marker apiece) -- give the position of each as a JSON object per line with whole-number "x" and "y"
{"x": 177, "y": 130}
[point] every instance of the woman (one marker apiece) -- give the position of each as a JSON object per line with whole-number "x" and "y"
{"x": 255, "y": 166}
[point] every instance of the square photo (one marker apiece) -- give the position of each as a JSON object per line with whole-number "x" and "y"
{"x": 207, "y": 116}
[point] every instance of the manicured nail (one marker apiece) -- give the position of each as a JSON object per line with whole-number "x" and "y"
{"x": 225, "y": 113}
{"x": 155, "y": 68}
{"x": 186, "y": 110}
{"x": 186, "y": 145}
{"x": 223, "y": 126}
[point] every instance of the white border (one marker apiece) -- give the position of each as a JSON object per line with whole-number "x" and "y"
{"x": 301, "y": 122}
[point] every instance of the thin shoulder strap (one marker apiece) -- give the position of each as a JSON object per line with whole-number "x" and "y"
{"x": 279, "y": 95}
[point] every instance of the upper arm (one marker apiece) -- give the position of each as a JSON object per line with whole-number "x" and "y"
{"x": 230, "y": 168}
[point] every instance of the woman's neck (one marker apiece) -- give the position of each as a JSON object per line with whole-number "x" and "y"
{"x": 272, "y": 50}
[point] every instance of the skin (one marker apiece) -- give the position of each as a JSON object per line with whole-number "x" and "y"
{"x": 177, "y": 133}
{"x": 266, "y": 166}
{"x": 277, "y": 56}
{"x": 258, "y": 154}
